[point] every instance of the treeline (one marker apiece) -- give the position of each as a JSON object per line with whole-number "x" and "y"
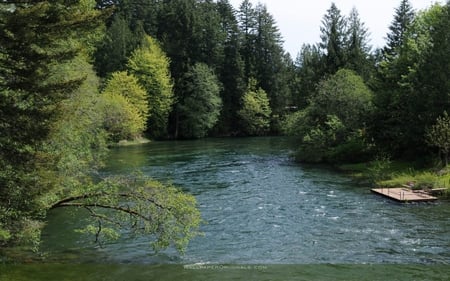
{"x": 219, "y": 59}
{"x": 231, "y": 76}
{"x": 356, "y": 103}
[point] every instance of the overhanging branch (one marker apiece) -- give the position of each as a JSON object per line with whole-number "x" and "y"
{"x": 102, "y": 206}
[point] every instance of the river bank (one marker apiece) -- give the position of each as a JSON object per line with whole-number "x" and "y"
{"x": 391, "y": 174}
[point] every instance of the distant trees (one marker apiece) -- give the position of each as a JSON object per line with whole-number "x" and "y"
{"x": 333, "y": 126}
{"x": 150, "y": 65}
{"x": 406, "y": 78}
{"x": 114, "y": 50}
{"x": 126, "y": 85}
{"x": 200, "y": 107}
{"x": 344, "y": 44}
{"x": 409, "y": 85}
{"x": 255, "y": 113}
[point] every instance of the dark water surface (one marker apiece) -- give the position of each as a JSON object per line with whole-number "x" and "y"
{"x": 261, "y": 208}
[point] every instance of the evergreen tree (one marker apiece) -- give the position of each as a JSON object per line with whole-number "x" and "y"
{"x": 309, "y": 71}
{"x": 231, "y": 72}
{"x": 200, "y": 107}
{"x": 177, "y": 32}
{"x": 334, "y": 38}
{"x": 247, "y": 25}
{"x": 210, "y": 35}
{"x": 113, "y": 52}
{"x": 432, "y": 96}
{"x": 358, "y": 49}
{"x": 396, "y": 38}
{"x": 270, "y": 67}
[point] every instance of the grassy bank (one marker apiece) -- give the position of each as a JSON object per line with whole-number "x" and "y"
{"x": 385, "y": 173}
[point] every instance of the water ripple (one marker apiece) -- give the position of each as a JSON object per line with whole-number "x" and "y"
{"x": 262, "y": 208}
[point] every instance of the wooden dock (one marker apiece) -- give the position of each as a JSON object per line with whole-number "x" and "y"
{"x": 405, "y": 194}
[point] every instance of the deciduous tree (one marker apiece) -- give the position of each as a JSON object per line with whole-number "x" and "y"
{"x": 150, "y": 65}
{"x": 255, "y": 112}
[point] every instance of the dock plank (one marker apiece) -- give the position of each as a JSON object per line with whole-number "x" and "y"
{"x": 404, "y": 194}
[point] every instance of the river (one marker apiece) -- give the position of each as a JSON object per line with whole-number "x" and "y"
{"x": 261, "y": 208}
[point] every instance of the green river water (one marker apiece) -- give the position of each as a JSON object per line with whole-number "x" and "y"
{"x": 267, "y": 218}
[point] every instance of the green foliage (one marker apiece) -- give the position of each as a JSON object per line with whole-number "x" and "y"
{"x": 332, "y": 127}
{"x": 164, "y": 214}
{"x": 255, "y": 112}
{"x": 120, "y": 119}
{"x": 344, "y": 95}
{"x": 379, "y": 168}
{"x": 127, "y": 85}
{"x": 231, "y": 72}
{"x": 200, "y": 107}
{"x": 119, "y": 42}
{"x": 404, "y": 16}
{"x": 77, "y": 142}
{"x": 333, "y": 36}
{"x": 296, "y": 123}
{"x": 150, "y": 66}
{"x": 30, "y": 102}
{"x": 439, "y": 135}
{"x": 410, "y": 85}
{"x": 53, "y": 142}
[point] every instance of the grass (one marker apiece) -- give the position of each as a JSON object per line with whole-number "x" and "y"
{"x": 386, "y": 173}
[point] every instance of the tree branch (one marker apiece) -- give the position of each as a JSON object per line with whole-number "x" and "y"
{"x": 116, "y": 208}
{"x": 62, "y": 202}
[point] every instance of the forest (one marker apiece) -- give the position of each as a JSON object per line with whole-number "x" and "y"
{"x": 78, "y": 76}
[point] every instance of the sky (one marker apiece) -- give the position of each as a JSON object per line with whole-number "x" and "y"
{"x": 299, "y": 21}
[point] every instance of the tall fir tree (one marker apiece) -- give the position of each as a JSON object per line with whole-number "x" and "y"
{"x": 113, "y": 52}
{"x": 404, "y": 16}
{"x": 309, "y": 71}
{"x": 270, "y": 66}
{"x": 247, "y": 25}
{"x": 358, "y": 48}
{"x": 231, "y": 72}
{"x": 333, "y": 39}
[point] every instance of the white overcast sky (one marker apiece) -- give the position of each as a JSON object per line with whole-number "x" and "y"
{"x": 299, "y": 21}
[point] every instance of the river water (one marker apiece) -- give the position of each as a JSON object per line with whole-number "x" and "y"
{"x": 260, "y": 207}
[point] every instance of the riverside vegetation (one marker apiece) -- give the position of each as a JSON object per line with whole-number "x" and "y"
{"x": 78, "y": 76}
